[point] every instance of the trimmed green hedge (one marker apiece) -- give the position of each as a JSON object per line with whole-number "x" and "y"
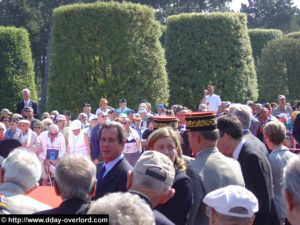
{"x": 16, "y": 67}
{"x": 279, "y": 70}
{"x": 107, "y": 50}
{"x": 294, "y": 35}
{"x": 209, "y": 48}
{"x": 259, "y": 38}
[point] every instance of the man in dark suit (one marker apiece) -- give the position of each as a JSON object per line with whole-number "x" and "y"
{"x": 27, "y": 103}
{"x": 255, "y": 167}
{"x": 75, "y": 182}
{"x": 296, "y": 129}
{"x": 112, "y": 173}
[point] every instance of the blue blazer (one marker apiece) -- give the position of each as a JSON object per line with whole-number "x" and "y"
{"x": 115, "y": 180}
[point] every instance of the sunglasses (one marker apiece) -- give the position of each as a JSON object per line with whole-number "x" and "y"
{"x": 104, "y": 116}
{"x": 124, "y": 123}
{"x": 5, "y": 120}
{"x": 1, "y": 129}
{"x": 27, "y": 111}
{"x": 37, "y": 128}
{"x": 48, "y": 124}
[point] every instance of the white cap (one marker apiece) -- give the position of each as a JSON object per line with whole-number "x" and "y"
{"x": 142, "y": 110}
{"x": 232, "y": 200}
{"x": 75, "y": 125}
{"x": 123, "y": 115}
{"x": 93, "y": 117}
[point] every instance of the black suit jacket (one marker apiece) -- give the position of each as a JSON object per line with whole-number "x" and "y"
{"x": 296, "y": 129}
{"x": 177, "y": 209}
{"x": 33, "y": 105}
{"x": 115, "y": 180}
{"x": 259, "y": 145}
{"x": 257, "y": 174}
{"x": 70, "y": 206}
{"x": 160, "y": 219}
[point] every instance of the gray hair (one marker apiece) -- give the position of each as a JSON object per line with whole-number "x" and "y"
{"x": 26, "y": 89}
{"x": 243, "y": 113}
{"x": 292, "y": 180}
{"x": 22, "y": 168}
{"x": 75, "y": 176}
{"x": 53, "y": 127}
{"x": 233, "y": 219}
{"x": 123, "y": 208}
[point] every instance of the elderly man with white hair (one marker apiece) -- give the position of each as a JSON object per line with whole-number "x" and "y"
{"x": 27, "y": 137}
{"x": 19, "y": 174}
{"x": 123, "y": 208}
{"x": 292, "y": 191}
{"x": 75, "y": 177}
{"x": 53, "y": 148}
{"x": 27, "y": 103}
{"x": 152, "y": 179}
{"x": 231, "y": 205}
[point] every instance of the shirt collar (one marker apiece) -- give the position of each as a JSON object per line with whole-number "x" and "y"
{"x": 238, "y": 149}
{"x": 111, "y": 164}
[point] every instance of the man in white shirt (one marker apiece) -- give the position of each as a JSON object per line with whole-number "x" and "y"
{"x": 210, "y": 99}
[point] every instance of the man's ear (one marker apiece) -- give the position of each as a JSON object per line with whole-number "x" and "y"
{"x": 1, "y": 175}
{"x": 56, "y": 189}
{"x": 170, "y": 193}
{"x": 288, "y": 200}
{"x": 130, "y": 177}
{"x": 93, "y": 191}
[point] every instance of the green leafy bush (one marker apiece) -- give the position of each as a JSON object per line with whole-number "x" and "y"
{"x": 279, "y": 70}
{"x": 294, "y": 35}
{"x": 209, "y": 48}
{"x": 107, "y": 50}
{"x": 16, "y": 67}
{"x": 259, "y": 38}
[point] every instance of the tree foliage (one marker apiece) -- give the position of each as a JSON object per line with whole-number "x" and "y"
{"x": 16, "y": 68}
{"x": 107, "y": 50}
{"x": 294, "y": 35}
{"x": 259, "y": 38}
{"x": 212, "y": 48}
{"x": 279, "y": 70}
{"x": 275, "y": 14}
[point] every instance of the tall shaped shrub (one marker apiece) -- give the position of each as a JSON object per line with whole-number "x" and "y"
{"x": 279, "y": 70}
{"x": 210, "y": 48}
{"x": 107, "y": 50}
{"x": 16, "y": 67}
{"x": 259, "y": 38}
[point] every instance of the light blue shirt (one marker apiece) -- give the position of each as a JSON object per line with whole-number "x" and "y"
{"x": 111, "y": 164}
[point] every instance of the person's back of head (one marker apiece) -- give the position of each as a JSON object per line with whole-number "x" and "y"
{"x": 230, "y": 125}
{"x": 153, "y": 175}
{"x": 243, "y": 113}
{"x": 22, "y": 168}
{"x": 75, "y": 177}
{"x": 123, "y": 208}
{"x": 231, "y": 205}
{"x": 292, "y": 191}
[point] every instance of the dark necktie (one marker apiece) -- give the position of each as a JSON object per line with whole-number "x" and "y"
{"x": 101, "y": 173}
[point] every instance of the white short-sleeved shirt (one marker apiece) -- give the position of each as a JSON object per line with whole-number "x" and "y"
{"x": 214, "y": 102}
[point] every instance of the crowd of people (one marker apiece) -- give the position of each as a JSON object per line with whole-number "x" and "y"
{"x": 226, "y": 163}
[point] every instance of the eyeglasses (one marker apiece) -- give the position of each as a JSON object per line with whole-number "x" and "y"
{"x": 27, "y": 111}
{"x": 124, "y": 122}
{"x": 37, "y": 128}
{"x": 48, "y": 124}
{"x": 5, "y": 120}
{"x": 103, "y": 116}
{"x": 52, "y": 135}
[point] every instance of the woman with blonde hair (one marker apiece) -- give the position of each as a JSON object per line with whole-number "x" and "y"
{"x": 167, "y": 141}
{"x": 47, "y": 123}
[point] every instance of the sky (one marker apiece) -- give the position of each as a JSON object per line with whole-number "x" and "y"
{"x": 236, "y": 4}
